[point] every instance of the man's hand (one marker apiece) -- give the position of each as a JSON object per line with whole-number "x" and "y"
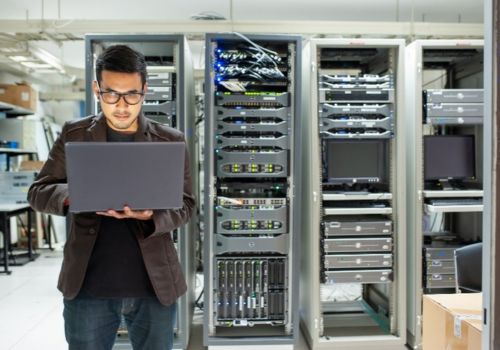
{"x": 128, "y": 213}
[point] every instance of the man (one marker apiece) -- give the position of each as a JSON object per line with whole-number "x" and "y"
{"x": 116, "y": 262}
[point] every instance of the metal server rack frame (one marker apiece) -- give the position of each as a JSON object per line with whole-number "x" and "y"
{"x": 415, "y": 181}
{"x": 490, "y": 217}
{"x": 312, "y": 321}
{"x": 211, "y": 338}
{"x": 184, "y": 111}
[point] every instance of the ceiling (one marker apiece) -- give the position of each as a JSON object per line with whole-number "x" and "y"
{"x": 50, "y": 24}
{"x": 469, "y": 11}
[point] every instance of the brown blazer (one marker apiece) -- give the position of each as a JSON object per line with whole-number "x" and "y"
{"x": 50, "y": 189}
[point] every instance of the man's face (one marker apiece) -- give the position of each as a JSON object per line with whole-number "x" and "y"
{"x": 120, "y": 116}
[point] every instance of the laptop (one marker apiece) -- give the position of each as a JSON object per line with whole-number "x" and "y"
{"x": 109, "y": 175}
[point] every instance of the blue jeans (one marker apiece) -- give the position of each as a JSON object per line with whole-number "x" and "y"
{"x": 92, "y": 323}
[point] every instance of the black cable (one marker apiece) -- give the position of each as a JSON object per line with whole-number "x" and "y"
{"x": 199, "y": 119}
{"x": 197, "y": 302}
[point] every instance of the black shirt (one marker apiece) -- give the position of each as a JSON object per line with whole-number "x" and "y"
{"x": 116, "y": 268}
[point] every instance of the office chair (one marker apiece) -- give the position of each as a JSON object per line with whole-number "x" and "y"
{"x": 468, "y": 268}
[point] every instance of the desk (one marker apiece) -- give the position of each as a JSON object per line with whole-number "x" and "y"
{"x": 6, "y": 212}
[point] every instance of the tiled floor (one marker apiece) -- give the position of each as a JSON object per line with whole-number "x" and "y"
{"x": 31, "y": 308}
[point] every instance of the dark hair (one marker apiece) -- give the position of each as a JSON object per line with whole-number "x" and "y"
{"x": 123, "y": 59}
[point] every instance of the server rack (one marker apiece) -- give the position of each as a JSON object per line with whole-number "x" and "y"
{"x": 353, "y": 233}
{"x": 252, "y": 149}
{"x": 170, "y": 101}
{"x": 444, "y": 97}
{"x": 490, "y": 213}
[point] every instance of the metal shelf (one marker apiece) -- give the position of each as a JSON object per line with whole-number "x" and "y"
{"x": 453, "y": 208}
{"x": 357, "y": 211}
{"x": 356, "y": 196}
{"x": 16, "y": 151}
{"x": 452, "y": 193}
{"x": 13, "y": 110}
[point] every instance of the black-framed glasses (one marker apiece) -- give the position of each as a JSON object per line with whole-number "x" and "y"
{"x": 112, "y": 97}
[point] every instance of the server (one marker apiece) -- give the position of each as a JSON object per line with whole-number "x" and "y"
{"x": 170, "y": 101}
{"x": 444, "y": 99}
{"x": 353, "y": 234}
{"x": 251, "y": 211}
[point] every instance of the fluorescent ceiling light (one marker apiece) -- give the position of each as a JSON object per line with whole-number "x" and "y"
{"x": 36, "y": 65}
{"x": 13, "y": 50}
{"x": 45, "y": 71}
{"x": 30, "y": 59}
{"x": 18, "y": 58}
{"x": 48, "y": 58}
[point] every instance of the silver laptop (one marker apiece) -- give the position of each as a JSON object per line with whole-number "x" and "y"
{"x": 109, "y": 175}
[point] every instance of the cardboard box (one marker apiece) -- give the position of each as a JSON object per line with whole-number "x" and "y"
{"x": 34, "y": 165}
{"x": 452, "y": 321}
{"x": 21, "y": 95}
{"x": 14, "y": 186}
{"x": 37, "y": 232}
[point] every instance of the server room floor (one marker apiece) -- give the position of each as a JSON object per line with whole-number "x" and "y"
{"x": 31, "y": 309}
